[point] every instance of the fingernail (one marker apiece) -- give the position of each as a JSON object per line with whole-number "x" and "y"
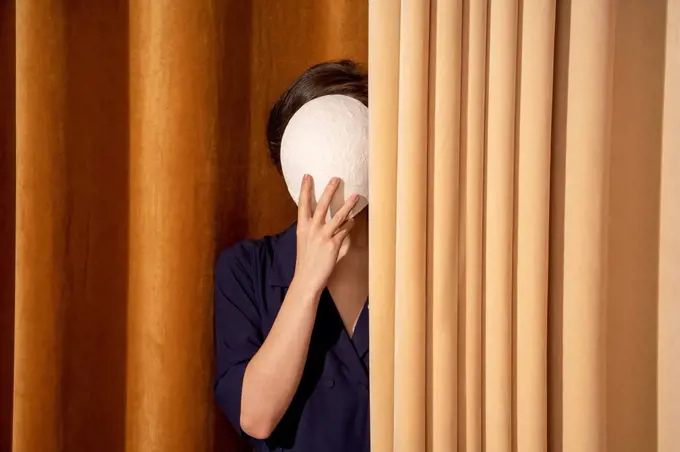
{"x": 335, "y": 180}
{"x": 355, "y": 197}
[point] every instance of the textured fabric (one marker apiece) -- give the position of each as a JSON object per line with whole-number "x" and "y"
{"x": 521, "y": 209}
{"x": 330, "y": 410}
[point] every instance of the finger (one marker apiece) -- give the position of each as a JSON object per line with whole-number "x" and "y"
{"x": 342, "y": 214}
{"x": 305, "y": 201}
{"x": 343, "y": 231}
{"x": 324, "y": 203}
{"x": 343, "y": 248}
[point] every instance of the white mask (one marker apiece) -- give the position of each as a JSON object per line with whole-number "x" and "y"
{"x": 328, "y": 137}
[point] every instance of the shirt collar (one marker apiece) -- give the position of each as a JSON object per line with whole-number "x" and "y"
{"x": 361, "y": 332}
{"x": 284, "y": 254}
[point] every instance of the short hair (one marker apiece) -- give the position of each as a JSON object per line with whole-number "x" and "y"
{"x": 344, "y": 77}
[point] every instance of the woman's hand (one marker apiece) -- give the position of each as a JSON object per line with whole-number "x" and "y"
{"x": 320, "y": 243}
{"x": 273, "y": 375}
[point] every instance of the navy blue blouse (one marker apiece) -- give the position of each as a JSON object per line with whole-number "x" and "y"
{"x": 330, "y": 411}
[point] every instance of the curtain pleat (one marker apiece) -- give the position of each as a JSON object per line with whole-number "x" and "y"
{"x": 498, "y": 228}
{"x": 384, "y": 16}
{"x": 7, "y": 216}
{"x": 173, "y": 137}
{"x": 411, "y": 228}
{"x": 668, "y": 390}
{"x": 632, "y": 223}
{"x": 443, "y": 223}
{"x": 473, "y": 122}
{"x": 557, "y": 226}
{"x": 532, "y": 191}
{"x": 42, "y": 229}
{"x": 71, "y": 240}
{"x": 585, "y": 204}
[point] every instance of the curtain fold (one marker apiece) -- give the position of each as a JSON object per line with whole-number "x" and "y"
{"x": 585, "y": 204}
{"x": 383, "y": 46}
{"x": 7, "y": 222}
{"x": 532, "y": 196}
{"x": 668, "y": 316}
{"x": 41, "y": 225}
{"x": 498, "y": 228}
{"x": 411, "y": 228}
{"x": 173, "y": 117}
{"x": 634, "y": 178}
{"x": 548, "y": 251}
{"x": 71, "y": 226}
{"x": 473, "y": 121}
{"x": 443, "y": 223}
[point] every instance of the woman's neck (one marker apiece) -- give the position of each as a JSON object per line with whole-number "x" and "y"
{"x": 353, "y": 267}
{"x": 359, "y": 234}
{"x": 348, "y": 284}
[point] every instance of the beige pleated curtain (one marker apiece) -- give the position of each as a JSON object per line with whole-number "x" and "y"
{"x": 525, "y": 209}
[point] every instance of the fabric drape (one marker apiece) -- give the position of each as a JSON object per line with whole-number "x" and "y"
{"x": 668, "y": 316}
{"x": 132, "y": 139}
{"x": 525, "y": 286}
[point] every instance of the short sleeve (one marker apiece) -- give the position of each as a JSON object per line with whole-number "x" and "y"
{"x": 238, "y": 335}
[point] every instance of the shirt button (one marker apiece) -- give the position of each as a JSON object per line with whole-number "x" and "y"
{"x": 330, "y": 383}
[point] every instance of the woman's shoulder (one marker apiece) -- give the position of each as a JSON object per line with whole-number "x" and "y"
{"x": 248, "y": 255}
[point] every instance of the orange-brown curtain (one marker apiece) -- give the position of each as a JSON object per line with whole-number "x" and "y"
{"x": 132, "y": 140}
{"x": 524, "y": 214}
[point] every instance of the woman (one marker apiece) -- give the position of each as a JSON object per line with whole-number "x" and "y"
{"x": 291, "y": 315}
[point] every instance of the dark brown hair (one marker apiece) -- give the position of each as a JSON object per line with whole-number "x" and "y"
{"x": 335, "y": 77}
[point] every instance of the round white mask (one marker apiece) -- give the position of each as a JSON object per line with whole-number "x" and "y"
{"x": 328, "y": 137}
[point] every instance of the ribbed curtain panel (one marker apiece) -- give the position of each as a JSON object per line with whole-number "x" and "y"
{"x": 132, "y": 148}
{"x": 524, "y": 233}
{"x": 525, "y": 209}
